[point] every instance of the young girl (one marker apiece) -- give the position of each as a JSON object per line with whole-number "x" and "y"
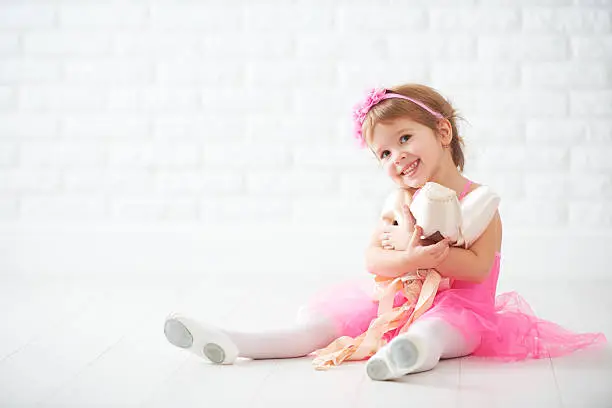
{"x": 411, "y": 129}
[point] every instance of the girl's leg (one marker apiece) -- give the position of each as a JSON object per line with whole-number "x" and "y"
{"x": 344, "y": 310}
{"x": 308, "y": 334}
{"x": 419, "y": 349}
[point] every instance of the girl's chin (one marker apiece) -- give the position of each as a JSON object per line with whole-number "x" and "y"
{"x": 411, "y": 183}
{"x": 416, "y": 181}
{"x": 414, "y": 185}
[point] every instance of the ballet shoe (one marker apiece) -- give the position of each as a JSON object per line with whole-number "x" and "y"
{"x": 477, "y": 211}
{"x": 440, "y": 213}
{"x": 200, "y": 339}
{"x": 436, "y": 209}
{"x": 403, "y": 355}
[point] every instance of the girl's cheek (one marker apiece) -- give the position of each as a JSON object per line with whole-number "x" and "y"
{"x": 389, "y": 169}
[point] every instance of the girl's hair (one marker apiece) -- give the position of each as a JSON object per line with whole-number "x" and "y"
{"x": 394, "y": 108}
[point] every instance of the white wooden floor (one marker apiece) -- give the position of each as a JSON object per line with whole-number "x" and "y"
{"x": 73, "y": 343}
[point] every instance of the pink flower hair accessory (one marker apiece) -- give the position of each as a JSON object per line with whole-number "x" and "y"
{"x": 360, "y": 111}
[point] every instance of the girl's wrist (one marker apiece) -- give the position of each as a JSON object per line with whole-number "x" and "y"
{"x": 409, "y": 260}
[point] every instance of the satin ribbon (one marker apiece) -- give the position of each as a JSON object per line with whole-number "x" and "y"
{"x": 419, "y": 288}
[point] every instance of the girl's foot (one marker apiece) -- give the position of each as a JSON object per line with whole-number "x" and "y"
{"x": 392, "y": 361}
{"x": 201, "y": 339}
{"x": 378, "y": 368}
{"x": 403, "y": 355}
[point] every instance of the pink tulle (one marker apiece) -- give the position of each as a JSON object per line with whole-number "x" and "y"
{"x": 508, "y": 328}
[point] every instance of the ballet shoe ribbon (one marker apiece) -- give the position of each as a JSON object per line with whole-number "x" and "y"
{"x": 418, "y": 288}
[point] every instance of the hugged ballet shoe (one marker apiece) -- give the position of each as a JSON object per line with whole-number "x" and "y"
{"x": 437, "y": 210}
{"x": 477, "y": 211}
{"x": 440, "y": 213}
{"x": 201, "y": 339}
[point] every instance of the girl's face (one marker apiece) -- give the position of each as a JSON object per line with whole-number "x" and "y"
{"x": 410, "y": 153}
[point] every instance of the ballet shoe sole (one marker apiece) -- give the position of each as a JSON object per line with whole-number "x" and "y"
{"x": 178, "y": 334}
{"x": 378, "y": 370}
{"x": 403, "y": 354}
{"x": 398, "y": 360}
{"x": 214, "y": 353}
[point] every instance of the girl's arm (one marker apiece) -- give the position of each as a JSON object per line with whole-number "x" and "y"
{"x": 474, "y": 264}
{"x": 384, "y": 262}
{"x": 414, "y": 255}
{"x": 390, "y": 264}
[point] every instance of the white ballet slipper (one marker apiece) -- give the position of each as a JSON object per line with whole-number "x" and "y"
{"x": 392, "y": 207}
{"x": 403, "y": 355}
{"x": 477, "y": 211}
{"x": 437, "y": 209}
{"x": 379, "y": 367}
{"x": 201, "y": 339}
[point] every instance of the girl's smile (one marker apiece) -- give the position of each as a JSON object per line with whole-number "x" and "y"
{"x": 409, "y": 152}
{"x": 411, "y": 169}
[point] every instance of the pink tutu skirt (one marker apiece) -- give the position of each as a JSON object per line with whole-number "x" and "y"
{"x": 508, "y": 328}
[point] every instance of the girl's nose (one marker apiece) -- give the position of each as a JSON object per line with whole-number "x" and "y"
{"x": 399, "y": 158}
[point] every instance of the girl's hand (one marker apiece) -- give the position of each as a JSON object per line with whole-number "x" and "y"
{"x": 426, "y": 257}
{"x": 423, "y": 252}
{"x": 398, "y": 237}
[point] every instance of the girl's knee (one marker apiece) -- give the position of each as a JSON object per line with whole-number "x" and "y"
{"x": 307, "y": 316}
{"x": 452, "y": 341}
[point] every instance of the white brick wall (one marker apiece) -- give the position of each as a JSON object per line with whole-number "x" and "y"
{"x": 156, "y": 112}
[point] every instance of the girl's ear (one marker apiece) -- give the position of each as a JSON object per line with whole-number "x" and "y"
{"x": 445, "y": 131}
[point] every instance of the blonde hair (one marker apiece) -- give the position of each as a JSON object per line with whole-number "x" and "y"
{"x": 394, "y": 108}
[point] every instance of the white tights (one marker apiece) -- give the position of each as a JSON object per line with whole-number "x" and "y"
{"x": 439, "y": 338}
{"x": 297, "y": 341}
{"x": 419, "y": 349}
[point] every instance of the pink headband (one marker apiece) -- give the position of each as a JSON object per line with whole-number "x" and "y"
{"x": 376, "y": 95}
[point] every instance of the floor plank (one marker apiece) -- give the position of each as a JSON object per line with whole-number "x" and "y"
{"x": 69, "y": 344}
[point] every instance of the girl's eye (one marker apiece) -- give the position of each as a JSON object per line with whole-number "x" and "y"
{"x": 403, "y": 139}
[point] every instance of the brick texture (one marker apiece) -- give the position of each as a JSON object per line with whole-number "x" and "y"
{"x": 206, "y": 111}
